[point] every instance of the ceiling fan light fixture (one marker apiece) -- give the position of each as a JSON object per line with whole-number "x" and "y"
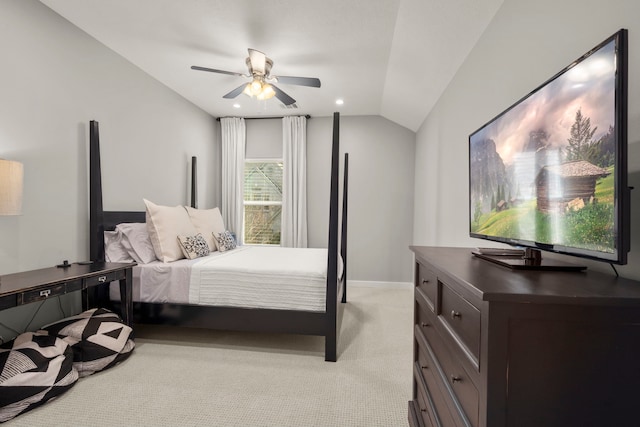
{"x": 259, "y": 66}
{"x": 256, "y": 87}
{"x": 267, "y": 92}
{"x": 259, "y": 89}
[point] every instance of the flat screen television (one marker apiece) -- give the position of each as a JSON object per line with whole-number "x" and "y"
{"x": 550, "y": 172}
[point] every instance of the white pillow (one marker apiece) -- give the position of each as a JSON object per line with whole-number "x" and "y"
{"x": 208, "y": 222}
{"x": 165, "y": 224}
{"x": 136, "y": 240}
{"x": 114, "y": 250}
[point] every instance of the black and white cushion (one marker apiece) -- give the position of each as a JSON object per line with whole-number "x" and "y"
{"x": 194, "y": 246}
{"x": 34, "y": 368}
{"x": 98, "y": 337}
{"x": 225, "y": 241}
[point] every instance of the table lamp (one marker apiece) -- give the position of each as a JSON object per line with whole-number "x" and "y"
{"x": 11, "y": 174}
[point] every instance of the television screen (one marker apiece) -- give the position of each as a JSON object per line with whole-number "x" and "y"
{"x": 550, "y": 172}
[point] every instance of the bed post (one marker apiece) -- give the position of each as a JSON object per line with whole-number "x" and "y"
{"x": 330, "y": 350}
{"x": 96, "y": 216}
{"x": 194, "y": 182}
{"x": 343, "y": 235}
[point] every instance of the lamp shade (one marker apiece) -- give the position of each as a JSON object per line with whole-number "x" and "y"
{"x": 11, "y": 174}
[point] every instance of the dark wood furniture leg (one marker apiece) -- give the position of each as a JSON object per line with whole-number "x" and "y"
{"x": 126, "y": 297}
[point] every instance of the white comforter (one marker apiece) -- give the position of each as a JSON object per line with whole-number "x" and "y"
{"x": 248, "y": 276}
{"x": 261, "y": 277}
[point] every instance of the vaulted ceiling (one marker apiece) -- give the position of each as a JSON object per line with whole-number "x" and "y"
{"x": 392, "y": 58}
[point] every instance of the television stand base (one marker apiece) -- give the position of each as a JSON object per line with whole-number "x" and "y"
{"x": 535, "y": 263}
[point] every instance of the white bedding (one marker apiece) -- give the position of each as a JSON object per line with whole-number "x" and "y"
{"x": 248, "y": 277}
{"x": 262, "y": 277}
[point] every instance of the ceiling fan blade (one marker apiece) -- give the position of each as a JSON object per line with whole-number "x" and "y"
{"x": 283, "y": 97}
{"x": 213, "y": 70}
{"x": 258, "y": 61}
{"x": 237, "y": 91}
{"x": 300, "y": 81}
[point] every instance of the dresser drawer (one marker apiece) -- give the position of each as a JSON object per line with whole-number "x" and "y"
{"x": 415, "y": 418}
{"x": 426, "y": 370}
{"x": 425, "y": 317}
{"x": 427, "y": 282}
{"x": 103, "y": 278}
{"x": 457, "y": 380}
{"x": 463, "y": 319}
{"x": 425, "y": 407}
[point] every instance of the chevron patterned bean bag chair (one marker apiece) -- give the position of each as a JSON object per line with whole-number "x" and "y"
{"x": 34, "y": 368}
{"x": 98, "y": 337}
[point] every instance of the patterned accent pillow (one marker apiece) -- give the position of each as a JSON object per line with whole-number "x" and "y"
{"x": 98, "y": 337}
{"x": 35, "y": 367}
{"x": 194, "y": 246}
{"x": 225, "y": 241}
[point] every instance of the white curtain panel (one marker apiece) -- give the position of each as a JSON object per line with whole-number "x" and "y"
{"x": 294, "y": 182}
{"x": 234, "y": 137}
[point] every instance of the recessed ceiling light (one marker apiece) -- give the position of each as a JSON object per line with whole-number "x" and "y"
{"x": 339, "y": 101}
{"x": 236, "y": 105}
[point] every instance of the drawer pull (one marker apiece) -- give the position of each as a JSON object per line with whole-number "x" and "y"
{"x": 424, "y": 367}
{"x": 102, "y": 279}
{"x": 455, "y": 379}
{"x": 455, "y": 314}
{"x": 425, "y": 281}
{"x": 423, "y": 410}
{"x": 45, "y": 293}
{"x": 425, "y": 325}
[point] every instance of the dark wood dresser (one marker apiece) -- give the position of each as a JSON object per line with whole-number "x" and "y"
{"x": 498, "y": 347}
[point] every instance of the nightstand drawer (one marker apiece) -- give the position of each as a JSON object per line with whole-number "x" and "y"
{"x": 103, "y": 278}
{"x": 427, "y": 282}
{"x": 40, "y": 294}
{"x": 463, "y": 319}
{"x": 8, "y": 301}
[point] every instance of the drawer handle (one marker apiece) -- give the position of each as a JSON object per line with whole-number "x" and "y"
{"x": 102, "y": 279}
{"x": 425, "y": 281}
{"x": 45, "y": 293}
{"x": 424, "y": 367}
{"x": 423, "y": 410}
{"x": 425, "y": 325}
{"x": 455, "y": 379}
{"x": 455, "y": 314}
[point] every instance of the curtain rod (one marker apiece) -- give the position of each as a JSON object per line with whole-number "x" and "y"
{"x": 261, "y": 118}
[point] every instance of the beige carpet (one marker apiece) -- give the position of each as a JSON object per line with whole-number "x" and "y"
{"x": 189, "y": 377}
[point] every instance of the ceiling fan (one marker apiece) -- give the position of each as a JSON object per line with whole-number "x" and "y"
{"x": 261, "y": 84}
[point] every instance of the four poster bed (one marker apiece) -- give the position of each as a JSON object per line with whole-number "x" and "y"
{"x": 321, "y": 319}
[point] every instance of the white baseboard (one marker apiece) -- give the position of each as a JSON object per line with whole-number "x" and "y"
{"x": 371, "y": 284}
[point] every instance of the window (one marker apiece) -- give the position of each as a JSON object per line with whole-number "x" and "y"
{"x": 262, "y": 201}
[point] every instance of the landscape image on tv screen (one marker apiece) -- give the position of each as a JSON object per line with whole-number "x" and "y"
{"x": 544, "y": 170}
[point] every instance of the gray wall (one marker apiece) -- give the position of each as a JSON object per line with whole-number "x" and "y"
{"x": 55, "y": 79}
{"x": 526, "y": 43}
{"x": 264, "y": 139}
{"x": 381, "y": 175}
{"x": 380, "y": 189}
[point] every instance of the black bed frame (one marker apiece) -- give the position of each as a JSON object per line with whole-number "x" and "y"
{"x": 325, "y": 324}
